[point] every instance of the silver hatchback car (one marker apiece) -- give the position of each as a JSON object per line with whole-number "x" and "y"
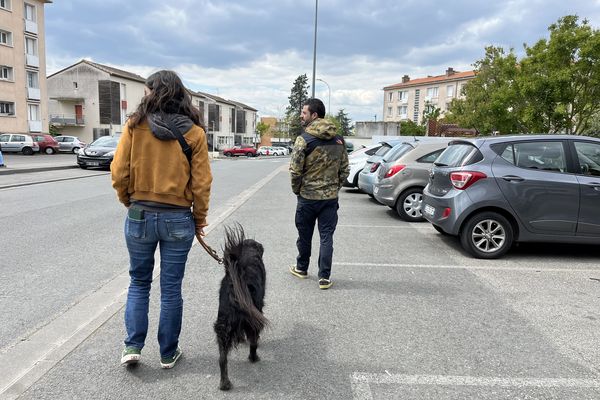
{"x": 402, "y": 179}
{"x": 492, "y": 192}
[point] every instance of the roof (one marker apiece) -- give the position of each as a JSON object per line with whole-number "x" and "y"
{"x": 222, "y": 100}
{"x": 433, "y": 79}
{"x": 110, "y": 70}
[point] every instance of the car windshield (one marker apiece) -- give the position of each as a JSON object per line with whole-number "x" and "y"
{"x": 106, "y": 141}
{"x": 397, "y": 151}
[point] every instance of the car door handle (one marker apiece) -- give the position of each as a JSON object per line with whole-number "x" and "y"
{"x": 595, "y": 185}
{"x": 513, "y": 178}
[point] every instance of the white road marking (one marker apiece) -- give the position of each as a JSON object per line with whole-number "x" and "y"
{"x": 471, "y": 267}
{"x": 28, "y": 360}
{"x": 362, "y": 391}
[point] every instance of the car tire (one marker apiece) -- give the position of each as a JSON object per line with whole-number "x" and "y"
{"x": 28, "y": 151}
{"x": 408, "y": 205}
{"x": 355, "y": 181}
{"x": 487, "y": 235}
{"x": 75, "y": 150}
{"x": 228, "y": 154}
{"x": 440, "y": 230}
{"x": 249, "y": 154}
{"x": 49, "y": 150}
{"x": 83, "y": 167}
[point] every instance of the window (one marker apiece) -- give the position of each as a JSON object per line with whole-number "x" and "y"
{"x": 5, "y": 4}
{"x": 403, "y": 96}
{"x": 389, "y": 111}
{"x": 31, "y": 46}
{"x": 30, "y": 12}
{"x": 7, "y": 108}
{"x": 33, "y": 112}
{"x": 589, "y": 158}
{"x": 545, "y": 156}
{"x": 402, "y": 111}
{"x": 17, "y": 138}
{"x": 450, "y": 91}
{"x": 432, "y": 92}
{"x": 4, "y": 138}
{"x": 391, "y": 96}
{"x": 459, "y": 155}
{"x": 74, "y": 85}
{"x": 32, "y": 80}
{"x": 6, "y": 38}
{"x": 6, "y": 73}
{"x": 431, "y": 157}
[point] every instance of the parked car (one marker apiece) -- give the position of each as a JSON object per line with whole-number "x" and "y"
{"x": 46, "y": 142}
{"x": 280, "y": 151}
{"x": 18, "y": 143}
{"x": 349, "y": 146}
{"x": 367, "y": 176}
{"x": 404, "y": 173}
{"x": 357, "y": 160}
{"x": 99, "y": 153}
{"x": 492, "y": 192}
{"x": 70, "y": 143}
{"x": 243, "y": 150}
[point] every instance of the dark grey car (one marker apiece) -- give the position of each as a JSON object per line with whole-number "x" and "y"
{"x": 494, "y": 191}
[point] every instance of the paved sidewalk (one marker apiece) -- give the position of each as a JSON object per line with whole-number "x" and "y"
{"x": 18, "y": 163}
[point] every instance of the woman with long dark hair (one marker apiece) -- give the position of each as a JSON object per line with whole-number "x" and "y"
{"x": 166, "y": 191}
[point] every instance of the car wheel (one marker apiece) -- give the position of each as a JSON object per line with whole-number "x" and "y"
{"x": 409, "y": 204}
{"x": 248, "y": 154}
{"x": 355, "y": 181}
{"x": 27, "y": 151}
{"x": 75, "y": 150}
{"x": 487, "y": 235}
{"x": 228, "y": 154}
{"x": 83, "y": 167}
{"x": 49, "y": 150}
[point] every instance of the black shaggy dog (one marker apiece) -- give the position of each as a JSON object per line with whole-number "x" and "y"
{"x": 241, "y": 298}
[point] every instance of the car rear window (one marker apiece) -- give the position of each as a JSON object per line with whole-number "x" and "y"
{"x": 383, "y": 150}
{"x": 372, "y": 151}
{"x": 397, "y": 151}
{"x": 459, "y": 155}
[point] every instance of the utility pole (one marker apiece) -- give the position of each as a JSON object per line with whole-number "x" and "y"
{"x": 315, "y": 50}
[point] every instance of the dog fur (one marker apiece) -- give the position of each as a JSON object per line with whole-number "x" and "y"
{"x": 241, "y": 298}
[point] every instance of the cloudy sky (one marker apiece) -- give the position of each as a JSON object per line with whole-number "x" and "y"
{"x": 252, "y": 50}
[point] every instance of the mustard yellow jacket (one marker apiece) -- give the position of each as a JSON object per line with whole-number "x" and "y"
{"x": 147, "y": 168}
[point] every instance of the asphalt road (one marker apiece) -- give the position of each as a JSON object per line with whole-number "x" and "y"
{"x": 410, "y": 316}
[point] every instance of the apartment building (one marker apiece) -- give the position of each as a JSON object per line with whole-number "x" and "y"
{"x": 90, "y": 100}
{"x": 408, "y": 99}
{"x": 23, "y": 94}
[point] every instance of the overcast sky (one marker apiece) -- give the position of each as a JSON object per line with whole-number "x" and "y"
{"x": 251, "y": 51}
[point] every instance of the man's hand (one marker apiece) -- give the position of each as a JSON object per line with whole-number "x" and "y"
{"x": 200, "y": 232}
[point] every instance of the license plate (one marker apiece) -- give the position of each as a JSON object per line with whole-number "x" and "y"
{"x": 429, "y": 210}
{"x": 93, "y": 163}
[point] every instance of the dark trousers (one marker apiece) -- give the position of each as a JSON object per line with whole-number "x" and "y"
{"x": 307, "y": 213}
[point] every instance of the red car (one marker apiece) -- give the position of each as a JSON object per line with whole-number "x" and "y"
{"x": 47, "y": 143}
{"x": 243, "y": 150}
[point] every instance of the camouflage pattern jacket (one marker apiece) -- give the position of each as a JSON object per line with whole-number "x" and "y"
{"x": 319, "y": 163}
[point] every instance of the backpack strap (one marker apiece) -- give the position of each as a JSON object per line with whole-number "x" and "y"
{"x": 312, "y": 142}
{"x": 187, "y": 150}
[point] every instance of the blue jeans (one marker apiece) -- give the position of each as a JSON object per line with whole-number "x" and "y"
{"x": 174, "y": 232}
{"x": 307, "y": 213}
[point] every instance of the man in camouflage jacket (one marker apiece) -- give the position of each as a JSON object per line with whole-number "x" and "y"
{"x": 318, "y": 168}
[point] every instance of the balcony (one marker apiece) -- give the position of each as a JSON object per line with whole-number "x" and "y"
{"x": 31, "y": 26}
{"x": 33, "y": 94}
{"x": 67, "y": 120}
{"x": 35, "y": 126}
{"x": 32, "y": 61}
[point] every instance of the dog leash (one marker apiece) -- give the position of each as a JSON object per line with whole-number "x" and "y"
{"x": 211, "y": 252}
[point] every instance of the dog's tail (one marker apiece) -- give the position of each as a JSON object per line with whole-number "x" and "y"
{"x": 234, "y": 241}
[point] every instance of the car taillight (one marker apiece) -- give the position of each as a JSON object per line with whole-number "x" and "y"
{"x": 394, "y": 169}
{"x": 463, "y": 179}
{"x": 374, "y": 167}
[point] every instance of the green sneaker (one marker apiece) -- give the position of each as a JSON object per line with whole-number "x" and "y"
{"x": 130, "y": 356}
{"x": 297, "y": 273}
{"x": 169, "y": 362}
{"x": 325, "y": 283}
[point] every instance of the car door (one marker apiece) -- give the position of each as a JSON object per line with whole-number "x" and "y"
{"x": 5, "y": 143}
{"x": 588, "y": 162}
{"x": 533, "y": 177}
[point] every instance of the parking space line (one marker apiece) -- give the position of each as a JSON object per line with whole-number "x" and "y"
{"x": 361, "y": 382}
{"x": 467, "y": 267}
{"x": 381, "y": 226}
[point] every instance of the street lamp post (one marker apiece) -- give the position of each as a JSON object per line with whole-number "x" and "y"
{"x": 315, "y": 50}
{"x": 328, "y": 97}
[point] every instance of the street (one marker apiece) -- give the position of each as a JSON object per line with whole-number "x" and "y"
{"x": 410, "y": 316}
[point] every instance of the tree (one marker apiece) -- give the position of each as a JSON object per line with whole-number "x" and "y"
{"x": 262, "y": 128}
{"x": 298, "y": 95}
{"x": 554, "y": 88}
{"x": 430, "y": 111}
{"x": 344, "y": 123}
{"x": 409, "y": 128}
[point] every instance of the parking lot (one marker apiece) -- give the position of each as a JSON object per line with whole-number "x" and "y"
{"x": 410, "y": 316}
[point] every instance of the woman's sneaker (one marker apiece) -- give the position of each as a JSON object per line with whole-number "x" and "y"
{"x": 169, "y": 362}
{"x": 130, "y": 356}
{"x": 325, "y": 283}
